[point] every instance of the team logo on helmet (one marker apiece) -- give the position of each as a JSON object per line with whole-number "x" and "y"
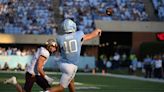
{"x": 51, "y": 42}
{"x": 69, "y": 26}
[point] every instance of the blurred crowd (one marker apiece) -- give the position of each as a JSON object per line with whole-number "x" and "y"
{"x": 37, "y": 16}
{"x": 27, "y": 17}
{"x": 159, "y": 8}
{"x": 84, "y": 12}
{"x": 16, "y": 51}
{"x": 151, "y": 66}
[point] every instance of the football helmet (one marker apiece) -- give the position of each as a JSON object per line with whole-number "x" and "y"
{"x": 69, "y": 26}
{"x": 51, "y": 42}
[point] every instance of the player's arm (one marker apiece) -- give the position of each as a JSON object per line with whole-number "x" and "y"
{"x": 40, "y": 62}
{"x": 93, "y": 34}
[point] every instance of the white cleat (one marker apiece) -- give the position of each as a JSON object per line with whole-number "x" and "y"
{"x": 44, "y": 91}
{"x": 11, "y": 80}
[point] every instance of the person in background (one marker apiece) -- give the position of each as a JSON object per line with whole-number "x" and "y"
{"x": 158, "y": 72}
{"x": 148, "y": 66}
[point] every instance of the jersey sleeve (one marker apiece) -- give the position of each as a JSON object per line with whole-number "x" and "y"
{"x": 44, "y": 52}
{"x": 58, "y": 40}
{"x": 80, "y": 34}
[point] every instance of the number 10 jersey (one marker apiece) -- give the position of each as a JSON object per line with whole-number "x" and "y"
{"x": 70, "y": 46}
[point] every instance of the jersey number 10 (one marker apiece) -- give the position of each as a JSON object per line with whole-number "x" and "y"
{"x": 70, "y": 46}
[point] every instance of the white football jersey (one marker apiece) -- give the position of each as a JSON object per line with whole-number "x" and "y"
{"x": 32, "y": 66}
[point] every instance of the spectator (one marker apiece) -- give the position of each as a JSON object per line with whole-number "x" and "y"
{"x": 23, "y": 53}
{"x": 133, "y": 64}
{"x": 123, "y": 59}
{"x": 9, "y": 51}
{"x": 18, "y": 52}
{"x": 116, "y": 60}
{"x": 19, "y": 67}
{"x": 6, "y": 66}
{"x": 108, "y": 65}
{"x": 1, "y": 52}
{"x": 104, "y": 67}
{"x": 148, "y": 66}
{"x": 158, "y": 66}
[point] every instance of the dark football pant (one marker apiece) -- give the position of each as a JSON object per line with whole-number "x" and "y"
{"x": 31, "y": 80}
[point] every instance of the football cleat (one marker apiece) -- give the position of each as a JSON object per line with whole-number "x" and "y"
{"x": 11, "y": 80}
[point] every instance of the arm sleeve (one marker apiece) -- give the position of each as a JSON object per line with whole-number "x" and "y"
{"x": 80, "y": 34}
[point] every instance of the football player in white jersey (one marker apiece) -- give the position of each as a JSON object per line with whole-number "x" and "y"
{"x": 70, "y": 43}
{"x": 34, "y": 70}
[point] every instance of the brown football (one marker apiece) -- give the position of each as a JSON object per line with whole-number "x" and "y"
{"x": 109, "y": 11}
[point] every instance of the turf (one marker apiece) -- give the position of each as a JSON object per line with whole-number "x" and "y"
{"x": 93, "y": 83}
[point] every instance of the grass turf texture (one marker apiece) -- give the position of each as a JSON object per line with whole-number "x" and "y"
{"x": 93, "y": 83}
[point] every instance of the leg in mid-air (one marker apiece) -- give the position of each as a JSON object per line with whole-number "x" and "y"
{"x": 29, "y": 81}
{"x": 14, "y": 82}
{"x": 67, "y": 78}
{"x": 58, "y": 88}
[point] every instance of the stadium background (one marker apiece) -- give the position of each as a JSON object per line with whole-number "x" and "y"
{"x": 133, "y": 27}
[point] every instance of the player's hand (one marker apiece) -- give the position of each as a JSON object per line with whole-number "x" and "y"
{"x": 33, "y": 75}
{"x": 99, "y": 31}
{"x": 49, "y": 80}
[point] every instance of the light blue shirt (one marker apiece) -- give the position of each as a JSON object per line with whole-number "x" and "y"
{"x": 70, "y": 47}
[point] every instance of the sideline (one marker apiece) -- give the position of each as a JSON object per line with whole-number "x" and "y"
{"x": 131, "y": 77}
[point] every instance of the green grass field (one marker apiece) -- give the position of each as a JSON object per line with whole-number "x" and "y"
{"x": 93, "y": 83}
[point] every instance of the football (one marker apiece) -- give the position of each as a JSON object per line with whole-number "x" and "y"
{"x": 109, "y": 11}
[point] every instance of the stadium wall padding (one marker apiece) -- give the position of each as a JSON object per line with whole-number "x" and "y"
{"x": 52, "y": 63}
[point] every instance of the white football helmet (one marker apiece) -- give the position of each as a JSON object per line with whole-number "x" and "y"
{"x": 69, "y": 26}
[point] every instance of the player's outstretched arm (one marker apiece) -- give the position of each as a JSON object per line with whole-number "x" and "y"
{"x": 95, "y": 33}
